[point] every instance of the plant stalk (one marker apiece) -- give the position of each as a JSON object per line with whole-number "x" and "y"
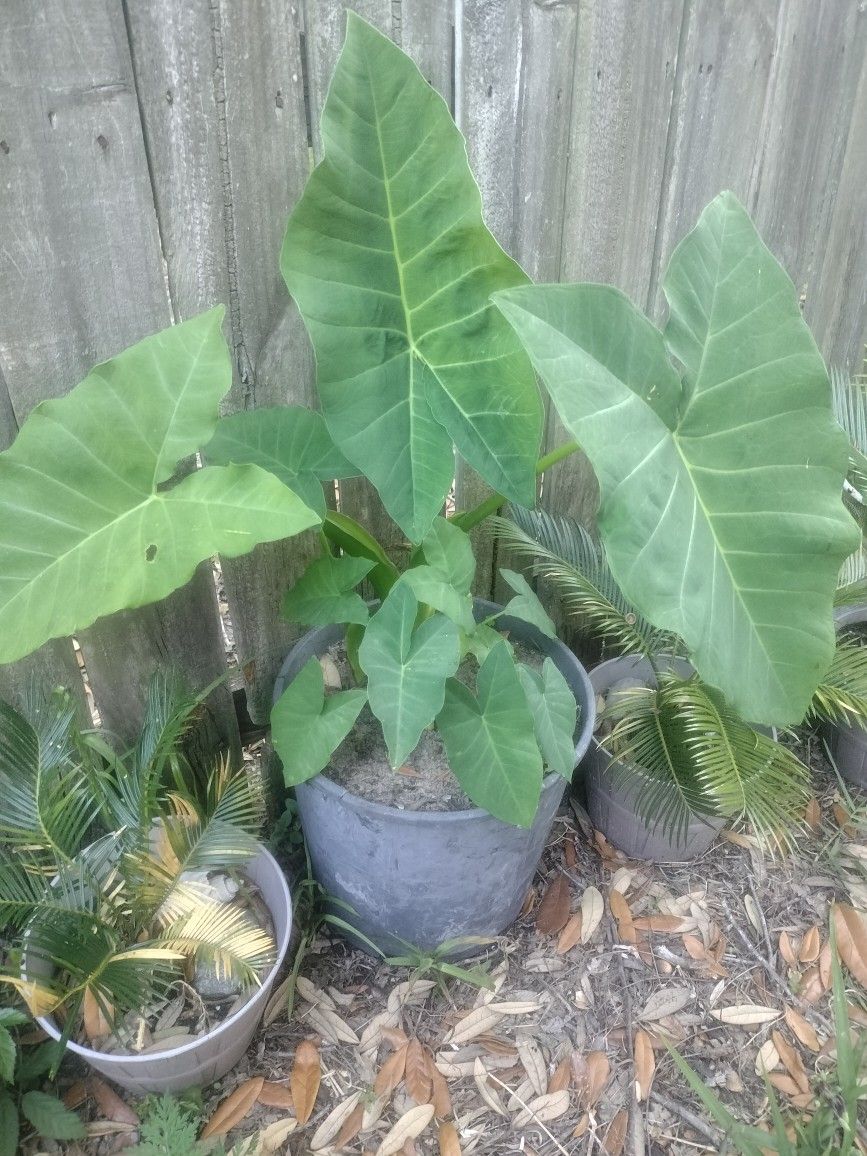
{"x": 470, "y": 518}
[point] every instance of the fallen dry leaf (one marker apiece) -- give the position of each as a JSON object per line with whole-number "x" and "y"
{"x": 272, "y": 1138}
{"x": 645, "y": 1064}
{"x": 812, "y": 988}
{"x": 490, "y": 1097}
{"x": 304, "y": 1079}
{"x": 534, "y": 1064}
{"x": 694, "y": 947}
{"x": 330, "y": 1026}
{"x": 449, "y": 1141}
{"x": 824, "y": 965}
{"x": 391, "y": 1072}
{"x": 787, "y": 949}
{"x": 803, "y": 1031}
{"x": 417, "y": 1074}
{"x": 410, "y": 991}
{"x": 544, "y": 1108}
{"x": 622, "y": 913}
{"x": 234, "y": 1108}
{"x": 562, "y": 1076}
{"x": 275, "y": 1095}
{"x": 661, "y": 923}
{"x": 592, "y": 910}
{"x": 767, "y": 1058}
{"x": 111, "y": 1106}
{"x": 745, "y": 1014}
{"x": 519, "y": 1007}
{"x": 581, "y": 1127}
{"x": 811, "y": 944}
{"x": 334, "y": 1121}
{"x": 553, "y": 912}
{"x": 844, "y": 821}
{"x": 75, "y": 1095}
{"x": 851, "y": 939}
{"x": 754, "y": 913}
{"x": 792, "y": 1061}
{"x": 410, "y": 1125}
{"x": 475, "y": 1023}
{"x": 590, "y": 1075}
{"x": 570, "y": 935}
{"x": 813, "y": 815}
{"x": 570, "y": 857}
{"x": 440, "y": 1098}
{"x": 614, "y": 1137}
{"x": 351, "y": 1127}
{"x": 94, "y": 1021}
{"x": 666, "y": 1001}
{"x": 784, "y": 1083}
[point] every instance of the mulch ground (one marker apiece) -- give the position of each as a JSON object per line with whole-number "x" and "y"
{"x": 726, "y": 958}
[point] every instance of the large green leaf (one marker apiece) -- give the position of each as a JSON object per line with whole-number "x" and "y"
{"x": 392, "y": 267}
{"x": 555, "y": 713}
{"x": 431, "y": 590}
{"x": 449, "y": 552}
{"x": 325, "y": 592}
{"x": 87, "y": 525}
{"x": 7, "y": 1056}
{"x": 406, "y": 669}
{"x": 721, "y": 511}
{"x": 8, "y": 1125}
{"x": 50, "y": 1118}
{"x": 490, "y": 740}
{"x": 526, "y": 605}
{"x": 290, "y": 441}
{"x": 306, "y": 727}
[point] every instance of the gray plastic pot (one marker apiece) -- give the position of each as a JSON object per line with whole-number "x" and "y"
{"x": 612, "y": 807}
{"x": 425, "y": 877}
{"x": 204, "y": 1060}
{"x": 848, "y": 743}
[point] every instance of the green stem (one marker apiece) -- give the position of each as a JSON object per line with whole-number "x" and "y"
{"x": 470, "y": 518}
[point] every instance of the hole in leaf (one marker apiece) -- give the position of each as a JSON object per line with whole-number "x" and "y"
{"x": 151, "y": 553}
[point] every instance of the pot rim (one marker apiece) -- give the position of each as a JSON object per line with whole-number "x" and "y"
{"x": 48, "y": 1025}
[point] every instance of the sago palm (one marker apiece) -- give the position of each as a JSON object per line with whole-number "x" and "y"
{"x": 97, "y": 902}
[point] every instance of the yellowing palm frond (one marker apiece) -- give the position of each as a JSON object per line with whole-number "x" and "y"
{"x": 842, "y": 694}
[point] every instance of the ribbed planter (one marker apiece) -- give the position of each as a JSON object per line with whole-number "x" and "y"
{"x": 612, "y": 807}
{"x": 203, "y": 1060}
{"x": 848, "y": 743}
{"x": 424, "y": 877}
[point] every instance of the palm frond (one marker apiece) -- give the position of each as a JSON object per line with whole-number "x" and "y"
{"x": 564, "y": 554}
{"x": 699, "y": 757}
{"x": 849, "y": 400}
{"x": 48, "y": 806}
{"x": 221, "y": 933}
{"x": 841, "y": 696}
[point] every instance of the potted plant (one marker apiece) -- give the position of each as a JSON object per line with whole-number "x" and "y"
{"x": 150, "y": 922}
{"x": 720, "y": 468}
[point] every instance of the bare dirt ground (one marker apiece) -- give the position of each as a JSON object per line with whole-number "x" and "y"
{"x": 726, "y": 958}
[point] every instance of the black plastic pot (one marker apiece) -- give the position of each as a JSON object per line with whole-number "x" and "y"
{"x": 612, "y": 807}
{"x": 424, "y": 877}
{"x": 848, "y": 742}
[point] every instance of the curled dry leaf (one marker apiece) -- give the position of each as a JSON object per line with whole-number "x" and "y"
{"x": 621, "y": 912}
{"x": 440, "y": 1098}
{"x": 490, "y": 1097}
{"x": 811, "y": 944}
{"x": 276, "y": 1004}
{"x": 694, "y": 947}
{"x": 351, "y": 1127}
{"x": 803, "y": 1031}
{"x": 417, "y": 1073}
{"x": 851, "y": 939}
{"x": 614, "y": 1137}
{"x": 534, "y": 1064}
{"x": 542, "y": 1109}
{"x": 592, "y": 909}
{"x": 518, "y": 1007}
{"x": 275, "y": 1095}
{"x": 395, "y": 1037}
{"x": 590, "y": 1075}
{"x": 310, "y": 992}
{"x": 570, "y": 935}
{"x": 784, "y": 1083}
{"x": 666, "y": 924}
{"x": 391, "y": 1072}
{"x": 334, "y": 1121}
{"x": 754, "y": 913}
{"x": 304, "y": 1079}
{"x": 411, "y": 991}
{"x": 111, "y": 1106}
{"x": 410, "y": 1125}
{"x": 570, "y": 857}
{"x": 475, "y": 1023}
{"x": 562, "y": 1076}
{"x": 792, "y": 1061}
{"x": 787, "y": 949}
{"x": 450, "y": 1144}
{"x": 75, "y": 1095}
{"x": 329, "y": 1025}
{"x": 666, "y": 1001}
{"x": 813, "y": 815}
{"x": 767, "y": 1058}
{"x": 553, "y": 912}
{"x": 745, "y": 1014}
{"x": 645, "y": 1064}
{"x": 94, "y": 1021}
{"x": 234, "y": 1108}
{"x": 824, "y": 965}
{"x": 272, "y": 1138}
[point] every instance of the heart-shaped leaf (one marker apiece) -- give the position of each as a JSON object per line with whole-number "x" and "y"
{"x": 306, "y": 727}
{"x": 406, "y": 669}
{"x": 526, "y": 605}
{"x": 325, "y": 592}
{"x": 490, "y": 740}
{"x": 87, "y": 525}
{"x": 449, "y": 553}
{"x": 290, "y": 441}
{"x": 555, "y": 714}
{"x": 432, "y": 591}
{"x": 721, "y": 511}
{"x": 392, "y": 267}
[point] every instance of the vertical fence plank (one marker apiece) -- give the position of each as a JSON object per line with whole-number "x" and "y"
{"x": 85, "y": 280}
{"x": 625, "y": 74}
{"x": 798, "y": 198}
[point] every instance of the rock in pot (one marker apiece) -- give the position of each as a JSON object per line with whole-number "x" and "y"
{"x": 848, "y": 742}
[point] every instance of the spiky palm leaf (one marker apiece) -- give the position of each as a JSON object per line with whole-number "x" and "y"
{"x": 225, "y": 935}
{"x": 690, "y": 754}
{"x": 849, "y": 399}
{"x": 47, "y": 802}
{"x": 841, "y": 696}
{"x": 564, "y": 554}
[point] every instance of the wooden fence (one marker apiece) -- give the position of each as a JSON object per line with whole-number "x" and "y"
{"x": 151, "y": 150}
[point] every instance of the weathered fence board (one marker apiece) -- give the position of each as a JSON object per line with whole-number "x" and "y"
{"x": 151, "y": 153}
